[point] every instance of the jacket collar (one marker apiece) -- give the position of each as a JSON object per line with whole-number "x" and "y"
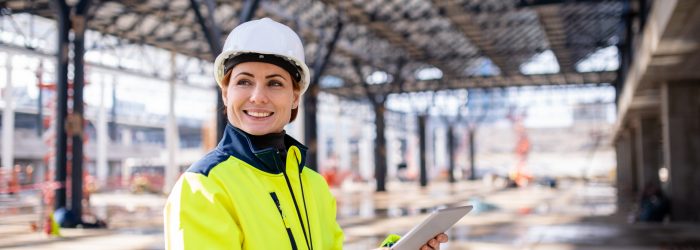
{"x": 237, "y": 143}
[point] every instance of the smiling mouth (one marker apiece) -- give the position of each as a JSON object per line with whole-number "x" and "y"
{"x": 258, "y": 114}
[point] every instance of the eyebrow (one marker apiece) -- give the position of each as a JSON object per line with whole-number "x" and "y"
{"x": 267, "y": 77}
{"x": 245, "y": 73}
{"x": 275, "y": 75}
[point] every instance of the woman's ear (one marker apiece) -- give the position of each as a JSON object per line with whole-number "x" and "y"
{"x": 224, "y": 91}
{"x": 295, "y": 103}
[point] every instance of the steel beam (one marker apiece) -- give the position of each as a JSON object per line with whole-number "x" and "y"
{"x": 538, "y": 3}
{"x": 553, "y": 25}
{"x": 466, "y": 23}
{"x": 321, "y": 63}
{"x": 385, "y": 31}
{"x": 249, "y": 8}
{"x": 605, "y": 77}
{"x": 213, "y": 36}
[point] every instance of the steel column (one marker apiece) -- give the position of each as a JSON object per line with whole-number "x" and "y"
{"x": 213, "y": 35}
{"x": 472, "y": 153}
{"x": 311, "y": 100}
{"x": 79, "y": 22}
{"x": 451, "y": 151}
{"x": 422, "y": 119}
{"x": 380, "y": 148}
{"x": 63, "y": 22}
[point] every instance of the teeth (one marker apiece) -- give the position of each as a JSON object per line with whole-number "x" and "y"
{"x": 259, "y": 114}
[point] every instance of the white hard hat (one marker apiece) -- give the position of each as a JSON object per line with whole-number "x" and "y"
{"x": 264, "y": 37}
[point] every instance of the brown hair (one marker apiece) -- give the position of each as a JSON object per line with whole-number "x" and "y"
{"x": 295, "y": 86}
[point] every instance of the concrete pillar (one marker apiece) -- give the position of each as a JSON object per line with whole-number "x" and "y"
{"x": 102, "y": 137}
{"x": 171, "y": 134}
{"x": 680, "y": 112}
{"x": 626, "y": 176}
{"x": 8, "y": 118}
{"x": 647, "y": 150}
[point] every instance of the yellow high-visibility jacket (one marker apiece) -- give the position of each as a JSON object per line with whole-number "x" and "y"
{"x": 238, "y": 197}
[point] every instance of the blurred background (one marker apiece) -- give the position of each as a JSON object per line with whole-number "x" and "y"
{"x": 568, "y": 124}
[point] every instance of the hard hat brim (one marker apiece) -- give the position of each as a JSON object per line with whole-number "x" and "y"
{"x": 219, "y": 67}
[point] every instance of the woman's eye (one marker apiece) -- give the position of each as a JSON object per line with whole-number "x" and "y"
{"x": 276, "y": 84}
{"x": 243, "y": 82}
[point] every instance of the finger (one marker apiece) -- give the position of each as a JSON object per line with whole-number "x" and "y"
{"x": 433, "y": 243}
{"x": 425, "y": 247}
{"x": 442, "y": 238}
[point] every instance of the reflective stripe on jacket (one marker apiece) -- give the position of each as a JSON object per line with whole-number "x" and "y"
{"x": 237, "y": 197}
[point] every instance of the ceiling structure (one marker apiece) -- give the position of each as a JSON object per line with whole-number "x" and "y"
{"x": 474, "y": 43}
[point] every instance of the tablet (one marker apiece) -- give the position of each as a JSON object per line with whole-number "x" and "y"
{"x": 439, "y": 221}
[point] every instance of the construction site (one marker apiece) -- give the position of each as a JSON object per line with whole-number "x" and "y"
{"x": 566, "y": 124}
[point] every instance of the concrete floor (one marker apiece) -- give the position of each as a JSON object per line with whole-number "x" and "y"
{"x": 574, "y": 216}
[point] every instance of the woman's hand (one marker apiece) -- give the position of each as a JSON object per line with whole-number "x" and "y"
{"x": 432, "y": 244}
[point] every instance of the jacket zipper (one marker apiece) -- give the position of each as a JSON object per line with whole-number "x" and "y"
{"x": 296, "y": 206}
{"x": 284, "y": 220}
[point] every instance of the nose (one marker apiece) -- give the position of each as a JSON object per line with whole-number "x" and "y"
{"x": 259, "y": 94}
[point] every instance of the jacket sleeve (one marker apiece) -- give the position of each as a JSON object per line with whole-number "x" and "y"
{"x": 198, "y": 215}
{"x": 338, "y": 236}
{"x": 337, "y": 232}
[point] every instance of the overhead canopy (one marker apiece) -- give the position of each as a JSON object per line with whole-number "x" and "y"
{"x": 473, "y": 43}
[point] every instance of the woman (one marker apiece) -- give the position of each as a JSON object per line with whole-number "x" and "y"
{"x": 253, "y": 191}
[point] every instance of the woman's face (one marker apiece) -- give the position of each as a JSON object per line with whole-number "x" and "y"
{"x": 259, "y": 98}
